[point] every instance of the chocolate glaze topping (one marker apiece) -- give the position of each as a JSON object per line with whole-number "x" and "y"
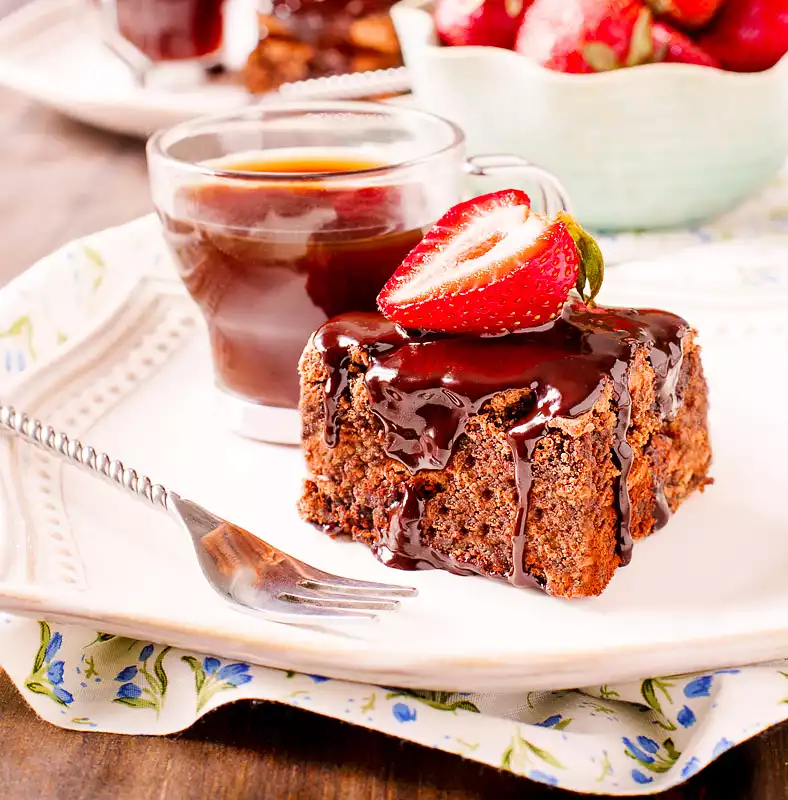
{"x": 402, "y": 546}
{"x": 661, "y": 511}
{"x": 425, "y": 386}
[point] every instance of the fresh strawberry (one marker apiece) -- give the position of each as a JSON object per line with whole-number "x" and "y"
{"x": 479, "y": 22}
{"x": 689, "y": 14}
{"x": 748, "y": 35}
{"x": 672, "y": 46}
{"x": 492, "y": 265}
{"x": 600, "y": 35}
{"x": 586, "y": 35}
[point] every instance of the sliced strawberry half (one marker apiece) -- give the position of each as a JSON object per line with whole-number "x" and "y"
{"x": 492, "y": 265}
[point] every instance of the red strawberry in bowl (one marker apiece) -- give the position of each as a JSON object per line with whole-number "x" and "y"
{"x": 748, "y": 35}
{"x": 492, "y": 265}
{"x": 492, "y": 23}
{"x": 584, "y": 36}
{"x": 672, "y": 46}
{"x": 690, "y": 14}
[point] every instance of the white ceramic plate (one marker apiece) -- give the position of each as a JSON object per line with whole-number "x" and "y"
{"x": 133, "y": 378}
{"x": 50, "y": 51}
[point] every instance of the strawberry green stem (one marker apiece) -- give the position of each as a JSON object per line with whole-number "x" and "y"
{"x": 592, "y": 263}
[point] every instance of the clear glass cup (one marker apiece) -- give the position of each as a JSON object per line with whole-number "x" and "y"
{"x": 175, "y": 41}
{"x": 281, "y": 217}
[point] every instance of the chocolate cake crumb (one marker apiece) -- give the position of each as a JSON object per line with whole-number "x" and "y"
{"x": 465, "y": 514}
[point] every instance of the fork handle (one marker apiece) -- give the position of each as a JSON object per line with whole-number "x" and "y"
{"x": 72, "y": 450}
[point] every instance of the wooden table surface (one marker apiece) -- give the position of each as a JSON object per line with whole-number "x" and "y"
{"x": 60, "y": 180}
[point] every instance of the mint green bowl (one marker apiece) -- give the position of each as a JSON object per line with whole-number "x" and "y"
{"x": 655, "y": 146}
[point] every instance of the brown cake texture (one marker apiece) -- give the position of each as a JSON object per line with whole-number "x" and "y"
{"x": 504, "y": 457}
{"x": 320, "y": 39}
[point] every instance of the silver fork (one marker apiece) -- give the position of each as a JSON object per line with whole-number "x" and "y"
{"x": 240, "y": 566}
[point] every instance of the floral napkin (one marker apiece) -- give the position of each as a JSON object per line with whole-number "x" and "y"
{"x": 632, "y": 738}
{"x": 636, "y": 738}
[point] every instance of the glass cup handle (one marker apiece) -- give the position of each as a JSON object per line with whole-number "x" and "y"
{"x": 553, "y": 195}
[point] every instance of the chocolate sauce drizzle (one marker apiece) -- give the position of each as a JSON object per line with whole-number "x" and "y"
{"x": 424, "y": 387}
{"x": 402, "y": 546}
{"x": 661, "y": 510}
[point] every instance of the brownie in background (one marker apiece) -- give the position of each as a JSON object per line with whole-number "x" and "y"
{"x": 312, "y": 39}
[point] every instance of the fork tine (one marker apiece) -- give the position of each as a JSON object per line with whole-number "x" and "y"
{"x": 336, "y": 601}
{"x": 317, "y": 579}
{"x": 299, "y": 613}
{"x": 250, "y": 598}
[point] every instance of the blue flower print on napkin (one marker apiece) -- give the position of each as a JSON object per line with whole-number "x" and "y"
{"x": 210, "y": 677}
{"x": 642, "y": 750}
{"x": 55, "y": 676}
{"x": 543, "y": 777}
{"x": 690, "y": 768}
{"x": 699, "y": 687}
{"x": 234, "y": 674}
{"x": 55, "y": 672}
{"x": 556, "y": 721}
{"x": 53, "y": 646}
{"x": 151, "y": 690}
{"x": 403, "y": 712}
{"x": 48, "y": 675}
{"x": 721, "y": 746}
{"x": 130, "y": 690}
{"x": 127, "y": 674}
{"x": 685, "y": 717}
{"x": 651, "y": 755}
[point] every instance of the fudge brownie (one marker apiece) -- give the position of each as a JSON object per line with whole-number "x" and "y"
{"x": 317, "y": 39}
{"x": 536, "y": 456}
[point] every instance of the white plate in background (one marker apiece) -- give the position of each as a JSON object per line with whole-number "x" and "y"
{"x": 50, "y": 51}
